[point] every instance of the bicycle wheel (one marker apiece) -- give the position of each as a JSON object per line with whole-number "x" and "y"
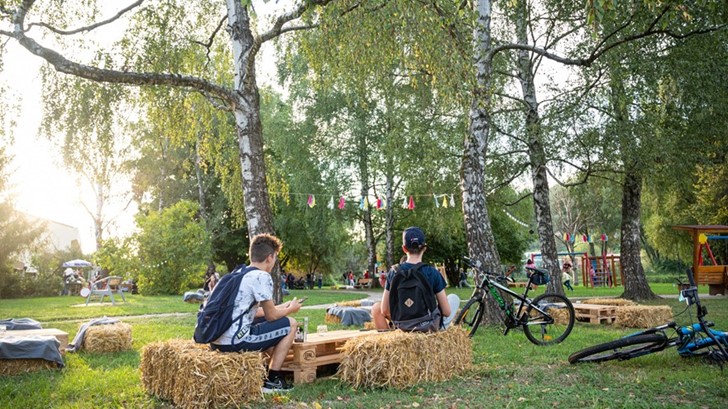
{"x": 623, "y": 348}
{"x": 470, "y": 315}
{"x": 554, "y": 324}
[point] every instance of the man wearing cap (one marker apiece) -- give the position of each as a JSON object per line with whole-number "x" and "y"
{"x": 414, "y": 246}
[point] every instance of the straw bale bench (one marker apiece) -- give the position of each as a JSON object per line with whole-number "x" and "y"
{"x": 108, "y": 338}
{"x": 643, "y": 316}
{"x": 29, "y": 353}
{"x": 194, "y": 377}
{"x": 403, "y": 359}
{"x": 61, "y": 336}
{"x": 318, "y": 350}
{"x": 595, "y": 314}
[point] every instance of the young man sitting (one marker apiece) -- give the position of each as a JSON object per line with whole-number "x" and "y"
{"x": 266, "y": 328}
{"x": 414, "y": 246}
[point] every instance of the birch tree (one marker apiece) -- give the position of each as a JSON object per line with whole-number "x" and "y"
{"x": 241, "y": 98}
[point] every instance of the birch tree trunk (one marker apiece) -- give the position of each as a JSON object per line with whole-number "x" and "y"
{"x": 541, "y": 203}
{"x": 635, "y": 283}
{"x": 479, "y": 233}
{"x": 389, "y": 222}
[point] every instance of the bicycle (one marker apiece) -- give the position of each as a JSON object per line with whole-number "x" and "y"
{"x": 696, "y": 339}
{"x": 547, "y": 319}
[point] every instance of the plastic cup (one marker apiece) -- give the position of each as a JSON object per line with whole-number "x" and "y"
{"x": 321, "y": 329}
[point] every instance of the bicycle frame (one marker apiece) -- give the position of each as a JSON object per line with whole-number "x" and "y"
{"x": 488, "y": 285}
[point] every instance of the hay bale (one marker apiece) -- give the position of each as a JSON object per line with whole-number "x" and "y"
{"x": 642, "y": 316}
{"x": 9, "y": 367}
{"x": 108, "y": 338}
{"x": 402, "y": 359}
{"x": 159, "y": 364}
{"x": 369, "y": 325}
{"x": 616, "y": 302}
{"x": 332, "y": 319}
{"x": 192, "y": 376}
{"x": 354, "y": 303}
{"x": 560, "y": 315}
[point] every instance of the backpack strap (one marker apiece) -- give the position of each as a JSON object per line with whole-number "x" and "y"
{"x": 239, "y": 318}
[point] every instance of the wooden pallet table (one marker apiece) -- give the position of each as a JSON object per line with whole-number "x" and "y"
{"x": 61, "y": 336}
{"x": 595, "y": 314}
{"x": 319, "y": 349}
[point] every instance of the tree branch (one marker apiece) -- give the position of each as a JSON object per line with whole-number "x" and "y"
{"x": 92, "y": 26}
{"x": 208, "y": 44}
{"x": 66, "y": 66}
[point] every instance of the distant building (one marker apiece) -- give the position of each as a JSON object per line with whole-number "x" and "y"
{"x": 57, "y": 236}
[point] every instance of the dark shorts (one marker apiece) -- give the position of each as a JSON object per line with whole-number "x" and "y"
{"x": 262, "y": 335}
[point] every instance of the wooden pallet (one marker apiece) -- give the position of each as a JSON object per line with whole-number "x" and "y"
{"x": 595, "y": 314}
{"x": 318, "y": 350}
{"x": 61, "y": 336}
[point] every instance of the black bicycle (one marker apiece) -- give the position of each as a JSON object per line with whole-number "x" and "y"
{"x": 546, "y": 320}
{"x": 696, "y": 339}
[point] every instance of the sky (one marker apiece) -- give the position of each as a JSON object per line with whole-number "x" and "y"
{"x": 40, "y": 184}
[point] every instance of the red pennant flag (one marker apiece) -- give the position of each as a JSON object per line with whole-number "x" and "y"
{"x": 342, "y": 203}
{"x": 411, "y": 204}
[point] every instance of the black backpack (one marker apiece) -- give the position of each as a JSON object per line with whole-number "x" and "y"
{"x": 216, "y": 314}
{"x": 412, "y": 302}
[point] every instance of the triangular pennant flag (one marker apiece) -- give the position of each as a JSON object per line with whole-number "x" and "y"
{"x": 361, "y": 203}
{"x": 379, "y": 203}
{"x": 444, "y": 202}
{"x": 311, "y": 202}
{"x": 604, "y": 237}
{"x": 331, "y": 203}
{"x": 366, "y": 202}
{"x": 452, "y": 200}
{"x": 437, "y": 204}
{"x": 342, "y": 203}
{"x": 584, "y": 239}
{"x": 411, "y": 204}
{"x": 405, "y": 204}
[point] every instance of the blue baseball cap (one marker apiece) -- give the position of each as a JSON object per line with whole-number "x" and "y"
{"x": 413, "y": 238}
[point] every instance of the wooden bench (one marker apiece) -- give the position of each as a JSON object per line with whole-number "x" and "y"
{"x": 363, "y": 283}
{"x": 595, "y": 314}
{"x": 318, "y": 350}
{"x": 517, "y": 284}
{"x": 61, "y": 336}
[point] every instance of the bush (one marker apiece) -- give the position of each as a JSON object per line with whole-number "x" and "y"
{"x": 173, "y": 247}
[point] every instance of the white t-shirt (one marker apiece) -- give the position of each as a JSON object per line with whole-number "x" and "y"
{"x": 255, "y": 287}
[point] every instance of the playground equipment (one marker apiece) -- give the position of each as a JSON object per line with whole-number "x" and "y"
{"x": 714, "y": 275}
{"x": 601, "y": 271}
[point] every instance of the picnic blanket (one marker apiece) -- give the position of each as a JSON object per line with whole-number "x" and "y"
{"x": 31, "y": 347}
{"x": 351, "y": 315}
{"x": 77, "y": 342}
{"x": 16, "y": 324}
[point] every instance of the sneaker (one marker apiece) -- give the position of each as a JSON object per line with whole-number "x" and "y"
{"x": 276, "y": 385}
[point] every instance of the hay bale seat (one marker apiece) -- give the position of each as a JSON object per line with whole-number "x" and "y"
{"x": 10, "y": 367}
{"x": 192, "y": 376}
{"x": 617, "y": 302}
{"x": 108, "y": 338}
{"x": 643, "y": 316}
{"x": 402, "y": 359}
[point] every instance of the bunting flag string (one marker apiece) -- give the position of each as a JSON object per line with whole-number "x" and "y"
{"x": 441, "y": 200}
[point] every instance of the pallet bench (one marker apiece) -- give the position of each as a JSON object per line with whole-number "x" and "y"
{"x": 318, "y": 350}
{"x": 595, "y": 314}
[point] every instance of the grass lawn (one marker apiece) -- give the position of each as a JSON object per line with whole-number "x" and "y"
{"x": 509, "y": 371}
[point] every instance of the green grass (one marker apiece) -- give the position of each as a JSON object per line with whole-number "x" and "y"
{"x": 509, "y": 371}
